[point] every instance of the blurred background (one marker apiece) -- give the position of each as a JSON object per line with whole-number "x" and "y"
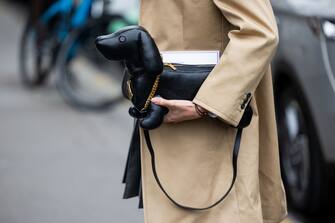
{"x": 65, "y": 130}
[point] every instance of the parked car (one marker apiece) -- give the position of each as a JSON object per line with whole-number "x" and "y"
{"x": 304, "y": 86}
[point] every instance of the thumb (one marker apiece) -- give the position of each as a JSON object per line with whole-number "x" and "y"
{"x": 161, "y": 101}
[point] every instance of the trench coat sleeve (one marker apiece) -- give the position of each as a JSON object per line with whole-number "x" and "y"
{"x": 246, "y": 58}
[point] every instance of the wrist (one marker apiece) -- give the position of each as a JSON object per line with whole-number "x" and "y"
{"x": 200, "y": 110}
{"x": 208, "y": 113}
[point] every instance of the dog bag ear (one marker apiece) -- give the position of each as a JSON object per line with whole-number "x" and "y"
{"x": 151, "y": 57}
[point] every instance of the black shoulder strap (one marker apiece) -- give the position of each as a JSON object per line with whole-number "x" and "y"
{"x": 183, "y": 206}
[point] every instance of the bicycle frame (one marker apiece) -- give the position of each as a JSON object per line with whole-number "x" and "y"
{"x": 64, "y": 7}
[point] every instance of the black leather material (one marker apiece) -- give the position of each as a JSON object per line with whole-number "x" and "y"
{"x": 183, "y": 83}
{"x": 246, "y": 117}
{"x": 132, "y": 173}
{"x": 137, "y": 49}
{"x": 154, "y": 117}
{"x": 135, "y": 46}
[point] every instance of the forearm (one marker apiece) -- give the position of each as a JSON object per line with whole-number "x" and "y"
{"x": 231, "y": 84}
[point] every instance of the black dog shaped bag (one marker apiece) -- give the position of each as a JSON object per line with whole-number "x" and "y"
{"x": 146, "y": 77}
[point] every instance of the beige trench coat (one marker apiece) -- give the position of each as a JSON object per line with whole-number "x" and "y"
{"x": 194, "y": 157}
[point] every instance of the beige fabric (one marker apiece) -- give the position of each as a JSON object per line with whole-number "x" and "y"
{"x": 194, "y": 157}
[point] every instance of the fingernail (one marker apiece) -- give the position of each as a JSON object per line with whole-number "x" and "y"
{"x": 155, "y": 100}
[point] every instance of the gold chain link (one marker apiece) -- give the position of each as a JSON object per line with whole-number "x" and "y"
{"x": 152, "y": 93}
{"x": 153, "y": 89}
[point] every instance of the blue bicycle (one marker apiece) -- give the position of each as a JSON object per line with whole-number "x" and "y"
{"x": 62, "y": 35}
{"x": 43, "y": 36}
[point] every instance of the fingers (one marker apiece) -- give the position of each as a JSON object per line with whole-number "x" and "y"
{"x": 165, "y": 103}
{"x": 162, "y": 102}
{"x": 179, "y": 110}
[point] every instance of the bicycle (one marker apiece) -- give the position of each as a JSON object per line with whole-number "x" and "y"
{"x": 44, "y": 37}
{"x": 86, "y": 79}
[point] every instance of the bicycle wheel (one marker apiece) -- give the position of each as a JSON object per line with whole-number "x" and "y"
{"x": 36, "y": 52}
{"x": 86, "y": 80}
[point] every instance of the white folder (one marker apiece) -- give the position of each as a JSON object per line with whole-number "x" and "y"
{"x": 191, "y": 57}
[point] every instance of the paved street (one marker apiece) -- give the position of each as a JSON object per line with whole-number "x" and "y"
{"x": 57, "y": 164}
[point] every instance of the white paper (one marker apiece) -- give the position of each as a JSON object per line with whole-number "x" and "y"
{"x": 191, "y": 57}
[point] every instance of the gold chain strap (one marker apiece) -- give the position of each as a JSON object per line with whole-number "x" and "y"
{"x": 152, "y": 93}
{"x": 153, "y": 89}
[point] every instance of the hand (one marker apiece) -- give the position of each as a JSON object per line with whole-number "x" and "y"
{"x": 179, "y": 110}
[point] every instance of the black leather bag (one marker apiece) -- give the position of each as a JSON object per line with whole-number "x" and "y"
{"x": 177, "y": 81}
{"x": 146, "y": 77}
{"x": 182, "y": 82}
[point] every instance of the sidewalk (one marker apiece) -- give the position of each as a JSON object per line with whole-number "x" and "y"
{"x": 57, "y": 165}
